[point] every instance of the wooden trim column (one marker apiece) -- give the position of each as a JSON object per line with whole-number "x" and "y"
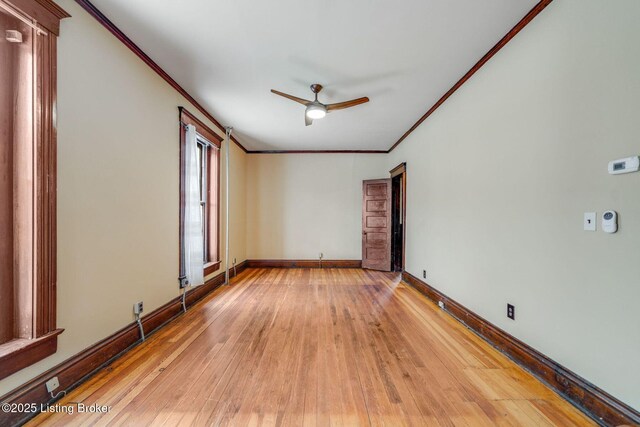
{"x": 34, "y": 185}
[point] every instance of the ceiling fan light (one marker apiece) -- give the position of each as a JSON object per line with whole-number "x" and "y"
{"x": 316, "y": 111}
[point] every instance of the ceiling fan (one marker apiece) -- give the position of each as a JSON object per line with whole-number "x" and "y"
{"x": 317, "y": 110}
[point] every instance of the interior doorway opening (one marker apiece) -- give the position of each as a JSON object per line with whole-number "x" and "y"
{"x": 398, "y": 216}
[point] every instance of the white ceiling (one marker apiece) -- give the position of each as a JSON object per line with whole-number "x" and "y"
{"x": 403, "y": 55}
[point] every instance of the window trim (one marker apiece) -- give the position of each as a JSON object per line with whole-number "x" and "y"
{"x": 40, "y": 338}
{"x": 186, "y": 118}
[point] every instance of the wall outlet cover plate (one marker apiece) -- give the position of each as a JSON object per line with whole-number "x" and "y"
{"x": 52, "y": 384}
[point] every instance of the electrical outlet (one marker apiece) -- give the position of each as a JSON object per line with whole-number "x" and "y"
{"x": 321, "y": 255}
{"x": 424, "y": 274}
{"x": 138, "y": 308}
{"x": 441, "y": 304}
{"x": 511, "y": 312}
{"x": 52, "y": 384}
{"x": 234, "y": 260}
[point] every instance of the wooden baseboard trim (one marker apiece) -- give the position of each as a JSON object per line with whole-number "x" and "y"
{"x": 77, "y": 369}
{"x": 304, "y": 263}
{"x": 593, "y": 401}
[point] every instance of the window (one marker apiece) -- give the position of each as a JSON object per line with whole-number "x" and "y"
{"x": 28, "y": 330}
{"x": 208, "y": 160}
{"x": 208, "y": 164}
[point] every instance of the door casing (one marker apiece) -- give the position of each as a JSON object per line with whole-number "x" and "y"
{"x": 398, "y": 216}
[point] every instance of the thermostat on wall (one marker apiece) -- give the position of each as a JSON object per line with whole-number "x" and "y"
{"x": 610, "y": 222}
{"x": 630, "y": 164}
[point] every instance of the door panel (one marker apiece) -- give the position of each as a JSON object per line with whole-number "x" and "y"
{"x": 376, "y": 224}
{"x": 376, "y": 238}
{"x": 376, "y": 205}
{"x": 377, "y": 189}
{"x": 376, "y": 221}
{"x": 376, "y": 254}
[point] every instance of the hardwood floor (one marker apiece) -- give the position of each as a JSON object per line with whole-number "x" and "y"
{"x": 316, "y": 347}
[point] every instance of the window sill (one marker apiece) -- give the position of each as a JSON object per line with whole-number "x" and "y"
{"x": 211, "y": 267}
{"x": 19, "y": 353}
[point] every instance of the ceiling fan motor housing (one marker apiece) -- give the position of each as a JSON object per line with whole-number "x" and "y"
{"x": 316, "y": 88}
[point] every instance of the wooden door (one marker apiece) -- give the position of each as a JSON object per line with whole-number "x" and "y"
{"x": 376, "y": 224}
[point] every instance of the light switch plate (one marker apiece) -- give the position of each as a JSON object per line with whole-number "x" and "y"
{"x": 589, "y": 221}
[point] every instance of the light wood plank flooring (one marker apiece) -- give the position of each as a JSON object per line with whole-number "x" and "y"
{"x": 316, "y": 347}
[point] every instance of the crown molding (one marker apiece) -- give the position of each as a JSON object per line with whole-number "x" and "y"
{"x": 487, "y": 56}
{"x": 109, "y": 25}
{"x": 113, "y": 29}
{"x": 317, "y": 152}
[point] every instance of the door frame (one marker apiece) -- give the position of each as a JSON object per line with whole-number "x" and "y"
{"x": 399, "y": 171}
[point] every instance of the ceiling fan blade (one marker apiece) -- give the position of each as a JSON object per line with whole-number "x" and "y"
{"x": 307, "y": 120}
{"x": 291, "y": 97}
{"x": 346, "y": 104}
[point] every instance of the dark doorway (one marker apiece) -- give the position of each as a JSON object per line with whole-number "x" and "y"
{"x": 398, "y": 215}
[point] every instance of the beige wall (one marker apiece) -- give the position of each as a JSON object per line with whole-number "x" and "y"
{"x": 498, "y": 180}
{"x": 500, "y": 176}
{"x": 299, "y": 205}
{"x": 118, "y": 194}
